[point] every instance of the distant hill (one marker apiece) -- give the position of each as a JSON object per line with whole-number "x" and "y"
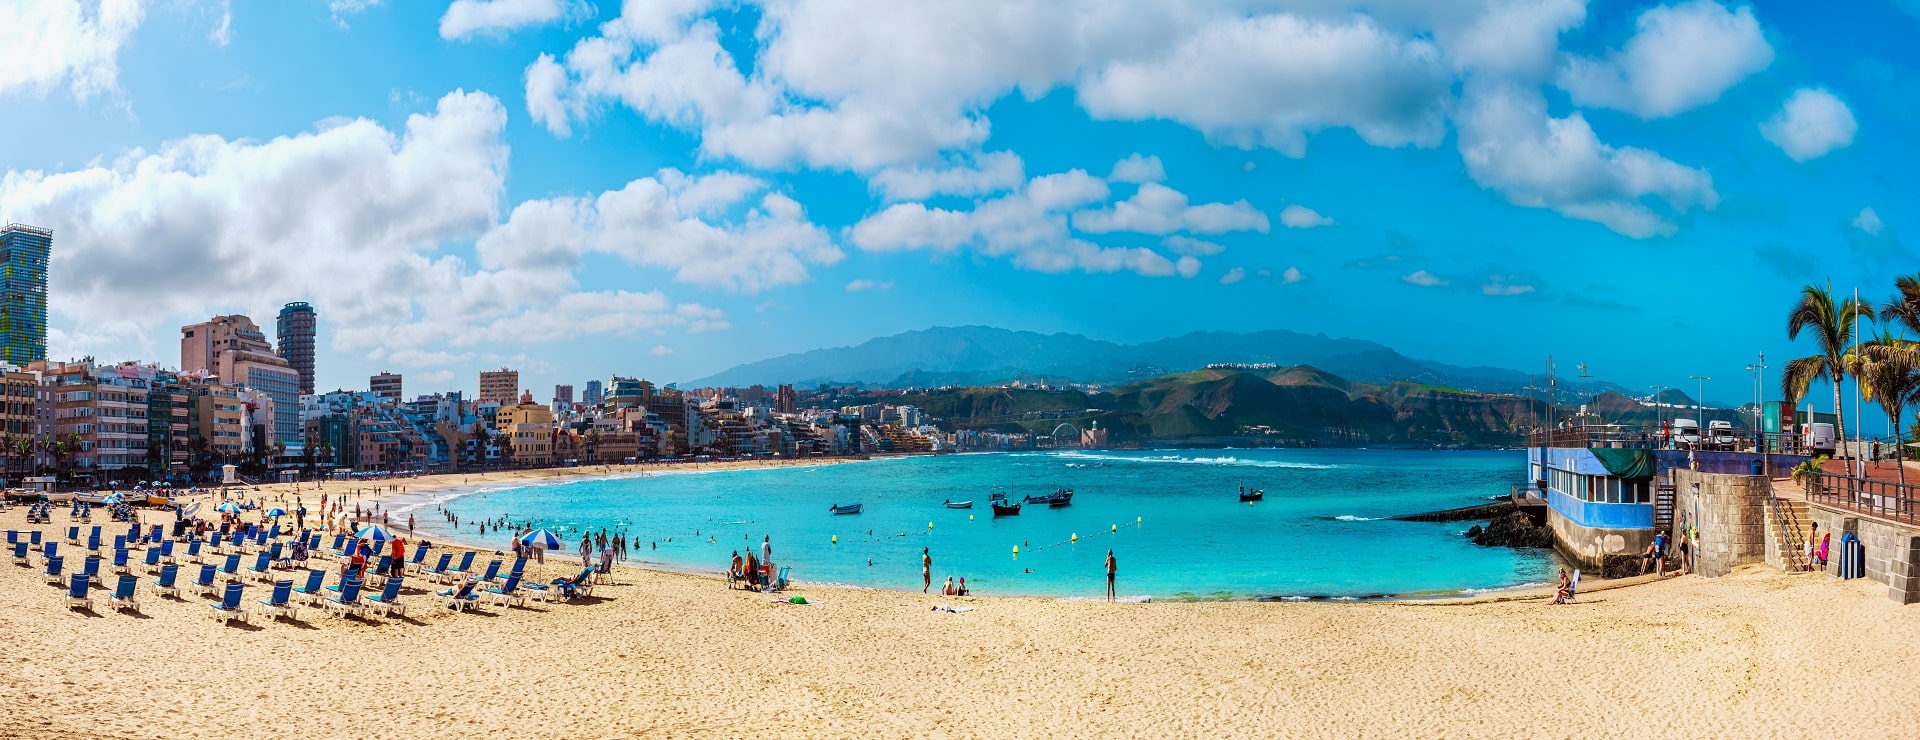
{"x": 1300, "y": 405}
{"x": 981, "y": 355}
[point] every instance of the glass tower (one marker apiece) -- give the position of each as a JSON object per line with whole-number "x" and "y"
{"x": 293, "y": 340}
{"x": 23, "y": 293}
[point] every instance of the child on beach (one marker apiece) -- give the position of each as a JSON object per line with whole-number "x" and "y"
{"x": 1825, "y": 540}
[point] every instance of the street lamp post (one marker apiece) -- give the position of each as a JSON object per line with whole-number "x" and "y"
{"x": 1700, "y": 405}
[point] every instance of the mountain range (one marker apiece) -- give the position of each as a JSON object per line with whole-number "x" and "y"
{"x": 982, "y": 356}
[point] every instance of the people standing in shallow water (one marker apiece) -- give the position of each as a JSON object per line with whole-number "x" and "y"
{"x": 1112, "y": 567}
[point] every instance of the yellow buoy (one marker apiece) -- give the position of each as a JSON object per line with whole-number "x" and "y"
{"x": 1116, "y": 527}
{"x": 969, "y": 517}
{"x": 1075, "y": 537}
{"x": 836, "y": 539}
{"x": 1137, "y": 520}
{"x": 929, "y": 525}
{"x": 1016, "y": 549}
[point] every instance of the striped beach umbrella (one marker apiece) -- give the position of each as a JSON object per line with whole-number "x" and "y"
{"x": 227, "y": 507}
{"x": 375, "y": 532}
{"x": 541, "y": 538}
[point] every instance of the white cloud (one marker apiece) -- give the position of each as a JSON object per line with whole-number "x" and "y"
{"x": 1138, "y": 169}
{"x": 1292, "y": 275}
{"x": 1191, "y": 247}
{"x": 1234, "y": 275}
{"x": 222, "y": 32}
{"x": 1302, "y": 217}
{"x": 1679, "y": 58}
{"x": 1029, "y": 225}
{"x": 863, "y": 284}
{"x": 1518, "y": 39}
{"x": 55, "y": 43}
{"x": 1502, "y": 286}
{"x": 1187, "y": 267}
{"x": 660, "y": 350}
{"x": 1270, "y": 80}
{"x": 1158, "y": 209}
{"x": 985, "y": 174}
{"x": 665, "y": 222}
{"x": 465, "y": 19}
{"x": 1423, "y": 278}
{"x": 1510, "y": 144}
{"x": 1811, "y": 123}
{"x": 351, "y": 217}
{"x": 1869, "y": 222}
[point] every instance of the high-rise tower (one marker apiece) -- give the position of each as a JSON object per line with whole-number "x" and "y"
{"x": 293, "y": 339}
{"x": 23, "y": 293}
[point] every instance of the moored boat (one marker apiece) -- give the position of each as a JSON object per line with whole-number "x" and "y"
{"x": 1253, "y": 495}
{"x": 58, "y": 497}
{"x": 968, "y": 504}
{"x": 91, "y": 497}
{"x": 153, "y": 500}
{"x": 848, "y": 509}
{"x": 1060, "y": 497}
{"x": 1001, "y": 506}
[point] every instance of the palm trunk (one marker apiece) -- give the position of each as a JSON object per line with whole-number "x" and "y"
{"x": 1839, "y": 420}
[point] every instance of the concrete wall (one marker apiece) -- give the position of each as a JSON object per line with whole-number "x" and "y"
{"x": 1893, "y": 550}
{"x": 1726, "y": 515}
{"x": 1589, "y": 546}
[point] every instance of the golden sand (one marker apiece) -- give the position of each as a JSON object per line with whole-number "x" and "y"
{"x": 1755, "y": 654}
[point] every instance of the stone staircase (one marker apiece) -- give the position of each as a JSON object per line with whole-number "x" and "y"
{"x": 1787, "y": 522}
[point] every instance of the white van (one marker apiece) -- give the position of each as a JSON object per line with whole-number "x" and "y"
{"x": 1720, "y": 435}
{"x": 1818, "y": 437}
{"x": 1686, "y": 433}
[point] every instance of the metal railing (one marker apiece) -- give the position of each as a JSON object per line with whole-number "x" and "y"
{"x": 1897, "y": 502}
{"x": 1629, "y": 437}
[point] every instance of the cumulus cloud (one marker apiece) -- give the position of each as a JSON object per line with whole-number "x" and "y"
{"x": 1191, "y": 247}
{"x": 1138, "y": 169}
{"x": 1423, "y": 278}
{"x": 465, "y": 19}
{"x": 1234, "y": 275}
{"x": 1810, "y": 124}
{"x": 1302, "y": 217}
{"x": 985, "y": 174}
{"x": 1680, "y": 57}
{"x": 1510, "y": 144}
{"x": 857, "y": 286}
{"x": 353, "y": 217}
{"x": 1158, "y": 209}
{"x": 1292, "y": 275}
{"x": 1030, "y": 225}
{"x": 1869, "y": 222}
{"x": 1498, "y": 285}
{"x": 660, "y": 350}
{"x": 1270, "y": 80}
{"x": 65, "y": 43}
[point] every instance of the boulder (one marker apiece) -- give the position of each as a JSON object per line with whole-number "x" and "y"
{"x": 1514, "y": 529}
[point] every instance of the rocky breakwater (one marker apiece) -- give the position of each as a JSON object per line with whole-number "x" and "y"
{"x": 1508, "y": 524}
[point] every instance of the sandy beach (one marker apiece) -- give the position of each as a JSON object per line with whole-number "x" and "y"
{"x": 1758, "y": 653}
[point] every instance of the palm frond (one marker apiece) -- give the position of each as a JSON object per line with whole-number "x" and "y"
{"x": 1799, "y": 376}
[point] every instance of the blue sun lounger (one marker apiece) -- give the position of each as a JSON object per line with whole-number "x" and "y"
{"x": 229, "y": 607}
{"x": 164, "y": 585}
{"x": 348, "y": 602}
{"x": 77, "y": 592}
{"x": 459, "y": 598}
{"x": 388, "y": 600}
{"x": 261, "y": 568}
{"x": 313, "y": 590}
{"x": 20, "y": 554}
{"x": 123, "y": 597}
{"x": 507, "y": 594}
{"x": 280, "y": 603}
{"x": 53, "y": 576}
{"x": 204, "y": 584}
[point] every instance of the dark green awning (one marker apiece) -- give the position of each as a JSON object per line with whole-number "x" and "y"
{"x": 1628, "y": 464}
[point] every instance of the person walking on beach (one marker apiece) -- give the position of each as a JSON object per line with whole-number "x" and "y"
{"x": 766, "y": 548}
{"x": 926, "y": 570}
{"x": 1112, "y": 567}
{"x": 586, "y": 547}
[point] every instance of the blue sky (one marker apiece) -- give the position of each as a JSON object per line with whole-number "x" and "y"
{"x": 667, "y": 189}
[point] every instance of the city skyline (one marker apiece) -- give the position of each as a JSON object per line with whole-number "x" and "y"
{"x": 576, "y": 193}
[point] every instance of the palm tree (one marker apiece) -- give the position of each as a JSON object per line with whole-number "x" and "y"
{"x": 1888, "y": 368}
{"x": 1831, "y": 325}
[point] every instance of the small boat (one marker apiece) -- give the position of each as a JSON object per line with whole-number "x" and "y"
{"x": 1001, "y": 506}
{"x": 968, "y": 504}
{"x": 1060, "y": 497}
{"x": 159, "y": 501}
{"x": 57, "y": 497}
{"x": 1253, "y": 495}
{"x": 848, "y": 509}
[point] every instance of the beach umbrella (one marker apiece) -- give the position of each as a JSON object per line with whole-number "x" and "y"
{"x": 375, "y": 532}
{"x": 276, "y": 511}
{"x": 228, "y": 507}
{"x": 112, "y": 499}
{"x": 542, "y": 539}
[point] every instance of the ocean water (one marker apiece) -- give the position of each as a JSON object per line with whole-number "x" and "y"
{"x": 1170, "y": 516}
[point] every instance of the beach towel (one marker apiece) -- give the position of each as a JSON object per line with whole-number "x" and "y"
{"x": 953, "y": 609}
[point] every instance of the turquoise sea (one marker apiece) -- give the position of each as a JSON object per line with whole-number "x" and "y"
{"x": 1170, "y": 516}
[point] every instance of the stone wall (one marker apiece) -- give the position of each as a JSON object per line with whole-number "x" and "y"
{"x": 1726, "y": 514}
{"x": 1588, "y": 547}
{"x": 1893, "y": 550}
